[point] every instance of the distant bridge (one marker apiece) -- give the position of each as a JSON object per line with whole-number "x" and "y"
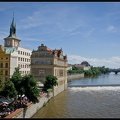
{"x": 115, "y": 70}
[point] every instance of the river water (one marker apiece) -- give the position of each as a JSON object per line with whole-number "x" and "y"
{"x": 86, "y": 102}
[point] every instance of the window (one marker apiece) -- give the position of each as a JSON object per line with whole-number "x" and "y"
{"x": 61, "y": 72}
{"x": 41, "y": 72}
{"x": 6, "y": 65}
{"x": 1, "y": 65}
{"x": 19, "y": 65}
{"x": 6, "y": 72}
{"x": 1, "y": 72}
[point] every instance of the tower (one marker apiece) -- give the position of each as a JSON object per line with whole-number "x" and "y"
{"x": 12, "y": 40}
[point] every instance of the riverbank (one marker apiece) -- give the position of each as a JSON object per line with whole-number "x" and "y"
{"x": 31, "y": 108}
{"x": 74, "y": 76}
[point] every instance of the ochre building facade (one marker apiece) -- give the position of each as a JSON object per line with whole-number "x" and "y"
{"x": 45, "y": 61}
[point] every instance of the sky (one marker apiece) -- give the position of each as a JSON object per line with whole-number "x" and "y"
{"x": 86, "y": 31}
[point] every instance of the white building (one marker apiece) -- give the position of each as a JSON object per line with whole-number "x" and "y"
{"x": 19, "y": 57}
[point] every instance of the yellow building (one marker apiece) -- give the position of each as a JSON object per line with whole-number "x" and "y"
{"x": 45, "y": 61}
{"x": 4, "y": 63}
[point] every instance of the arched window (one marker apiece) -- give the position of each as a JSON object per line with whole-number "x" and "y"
{"x": 1, "y": 65}
{"x": 6, "y": 65}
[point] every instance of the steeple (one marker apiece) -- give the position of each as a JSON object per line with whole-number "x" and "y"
{"x": 12, "y": 29}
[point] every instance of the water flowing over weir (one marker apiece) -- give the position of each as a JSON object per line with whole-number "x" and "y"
{"x": 94, "y": 85}
{"x": 97, "y": 102}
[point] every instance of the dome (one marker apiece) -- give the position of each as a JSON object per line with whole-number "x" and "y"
{"x": 85, "y": 63}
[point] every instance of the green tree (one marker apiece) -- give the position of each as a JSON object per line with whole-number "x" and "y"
{"x": 17, "y": 80}
{"x": 9, "y": 90}
{"x": 50, "y": 82}
{"x": 30, "y": 89}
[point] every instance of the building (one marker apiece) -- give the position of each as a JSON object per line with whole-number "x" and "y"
{"x": 45, "y": 61}
{"x": 69, "y": 67}
{"x": 13, "y": 55}
{"x": 84, "y": 65}
{"x": 4, "y": 64}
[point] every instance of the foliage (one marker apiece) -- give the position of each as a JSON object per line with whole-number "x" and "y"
{"x": 50, "y": 81}
{"x": 96, "y": 71}
{"x": 17, "y": 80}
{"x": 9, "y": 90}
{"x": 19, "y": 85}
{"x": 29, "y": 85}
{"x": 49, "y": 90}
{"x": 75, "y": 71}
{"x": 91, "y": 72}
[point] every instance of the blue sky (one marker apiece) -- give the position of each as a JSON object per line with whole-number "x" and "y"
{"x": 86, "y": 31}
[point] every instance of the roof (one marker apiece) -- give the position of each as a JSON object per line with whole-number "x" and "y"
{"x": 9, "y": 50}
{"x": 48, "y": 49}
{"x": 3, "y": 100}
{"x": 12, "y": 29}
{"x": 85, "y": 63}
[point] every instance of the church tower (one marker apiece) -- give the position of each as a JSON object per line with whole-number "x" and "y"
{"x": 12, "y": 40}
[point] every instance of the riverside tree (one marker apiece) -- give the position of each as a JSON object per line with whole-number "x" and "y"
{"x": 25, "y": 85}
{"x": 9, "y": 90}
{"x": 50, "y": 82}
{"x": 17, "y": 80}
{"x": 30, "y": 88}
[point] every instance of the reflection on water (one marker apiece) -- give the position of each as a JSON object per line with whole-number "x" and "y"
{"x": 84, "y": 102}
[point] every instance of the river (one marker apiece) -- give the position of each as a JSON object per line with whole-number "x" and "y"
{"x": 92, "y": 100}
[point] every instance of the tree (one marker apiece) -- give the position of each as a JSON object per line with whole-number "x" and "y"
{"x": 29, "y": 86}
{"x": 25, "y": 85}
{"x": 17, "y": 79}
{"x": 50, "y": 81}
{"x": 9, "y": 90}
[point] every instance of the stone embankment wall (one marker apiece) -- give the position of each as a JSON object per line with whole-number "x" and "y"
{"x": 58, "y": 90}
{"x": 75, "y": 76}
{"x": 33, "y": 108}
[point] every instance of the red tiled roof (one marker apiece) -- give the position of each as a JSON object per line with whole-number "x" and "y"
{"x": 48, "y": 49}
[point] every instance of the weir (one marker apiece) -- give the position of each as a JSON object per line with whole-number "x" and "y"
{"x": 93, "y": 85}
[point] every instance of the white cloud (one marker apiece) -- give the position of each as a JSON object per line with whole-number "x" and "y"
{"x": 113, "y": 62}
